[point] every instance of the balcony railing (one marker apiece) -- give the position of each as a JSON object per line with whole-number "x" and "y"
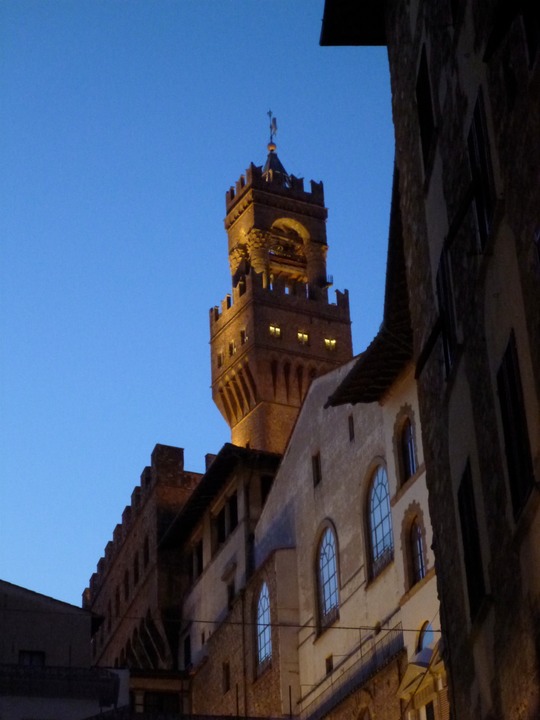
{"x": 66, "y": 682}
{"x": 356, "y": 675}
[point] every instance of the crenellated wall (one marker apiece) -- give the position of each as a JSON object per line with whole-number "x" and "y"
{"x": 253, "y": 178}
{"x": 127, "y": 588}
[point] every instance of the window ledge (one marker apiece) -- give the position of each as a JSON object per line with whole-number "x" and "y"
{"x": 430, "y": 574}
{"x": 262, "y": 669}
{"x": 331, "y": 618}
{"x": 407, "y": 484}
{"x": 380, "y": 572}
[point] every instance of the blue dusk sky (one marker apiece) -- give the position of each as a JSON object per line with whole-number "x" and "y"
{"x": 122, "y": 124}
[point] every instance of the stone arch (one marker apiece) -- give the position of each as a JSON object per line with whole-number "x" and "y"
{"x": 378, "y": 556}
{"x": 289, "y": 228}
{"x": 325, "y": 619}
{"x": 406, "y": 414}
{"x": 413, "y": 513}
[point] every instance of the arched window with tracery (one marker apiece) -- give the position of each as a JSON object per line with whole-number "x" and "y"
{"x": 380, "y": 522}
{"x": 327, "y": 577}
{"x": 408, "y": 452}
{"x": 264, "y": 630}
{"x": 416, "y": 551}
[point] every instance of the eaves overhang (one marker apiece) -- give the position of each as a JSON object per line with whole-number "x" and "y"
{"x": 211, "y": 484}
{"x": 353, "y": 22}
{"x": 391, "y": 350}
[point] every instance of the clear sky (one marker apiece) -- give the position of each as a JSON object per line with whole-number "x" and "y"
{"x": 122, "y": 124}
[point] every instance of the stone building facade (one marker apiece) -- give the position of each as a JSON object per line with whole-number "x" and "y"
{"x": 136, "y": 589}
{"x": 296, "y": 576}
{"x": 466, "y": 105}
{"x": 45, "y": 664}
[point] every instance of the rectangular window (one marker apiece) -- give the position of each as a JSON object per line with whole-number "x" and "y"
{"x": 32, "y": 658}
{"x": 231, "y": 592}
{"x": 330, "y": 343}
{"x": 161, "y": 702}
{"x": 232, "y": 504}
{"x": 221, "y": 526}
{"x": 197, "y": 559}
{"x": 243, "y": 337}
{"x": 329, "y": 664}
{"x": 303, "y": 337}
{"x": 187, "y": 652}
{"x": 232, "y": 348}
{"x": 351, "y": 428}
{"x": 275, "y": 331}
{"x": 471, "y": 542}
{"x": 514, "y": 422}
{"x": 482, "y": 173}
{"x": 225, "y": 521}
{"x": 430, "y": 711}
{"x": 447, "y": 312}
{"x": 226, "y": 675}
{"x": 316, "y": 468}
{"x": 220, "y": 359}
{"x": 266, "y": 486}
{"x": 426, "y": 120}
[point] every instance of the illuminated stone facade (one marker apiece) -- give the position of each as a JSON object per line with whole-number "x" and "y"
{"x": 295, "y": 576}
{"x": 466, "y": 105}
{"x": 277, "y": 330}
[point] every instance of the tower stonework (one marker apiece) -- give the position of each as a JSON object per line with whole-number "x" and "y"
{"x": 276, "y": 330}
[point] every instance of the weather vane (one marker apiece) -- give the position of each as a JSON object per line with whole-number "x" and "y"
{"x": 273, "y": 126}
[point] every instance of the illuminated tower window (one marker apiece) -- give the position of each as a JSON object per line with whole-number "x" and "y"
{"x": 303, "y": 338}
{"x": 275, "y": 331}
{"x": 330, "y": 343}
{"x": 232, "y": 348}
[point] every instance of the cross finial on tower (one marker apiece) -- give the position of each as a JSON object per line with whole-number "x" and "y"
{"x": 273, "y": 129}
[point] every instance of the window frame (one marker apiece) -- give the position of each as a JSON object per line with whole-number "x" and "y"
{"x": 482, "y": 177}
{"x": 263, "y": 628}
{"x": 425, "y": 111}
{"x": 381, "y": 551}
{"x": 417, "y": 555}
{"x": 407, "y": 450}
{"x": 515, "y": 431}
{"x": 327, "y": 577}
{"x": 470, "y": 538}
{"x": 447, "y": 310}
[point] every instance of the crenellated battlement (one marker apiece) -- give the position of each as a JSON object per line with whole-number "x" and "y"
{"x": 291, "y": 295}
{"x": 253, "y": 178}
{"x": 165, "y": 471}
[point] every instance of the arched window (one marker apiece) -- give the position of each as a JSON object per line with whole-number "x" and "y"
{"x": 416, "y": 550}
{"x": 264, "y": 633}
{"x": 327, "y": 577}
{"x": 380, "y": 522}
{"x": 426, "y": 637}
{"x": 408, "y": 455}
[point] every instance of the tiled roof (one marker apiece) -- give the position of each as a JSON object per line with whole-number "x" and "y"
{"x": 380, "y": 364}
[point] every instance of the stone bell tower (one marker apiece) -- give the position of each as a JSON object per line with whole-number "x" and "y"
{"x": 276, "y": 330}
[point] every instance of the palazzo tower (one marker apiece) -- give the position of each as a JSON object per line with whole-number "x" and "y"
{"x": 276, "y": 330}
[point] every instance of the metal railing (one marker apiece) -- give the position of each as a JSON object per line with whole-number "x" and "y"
{"x": 357, "y": 674}
{"x": 43, "y": 681}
